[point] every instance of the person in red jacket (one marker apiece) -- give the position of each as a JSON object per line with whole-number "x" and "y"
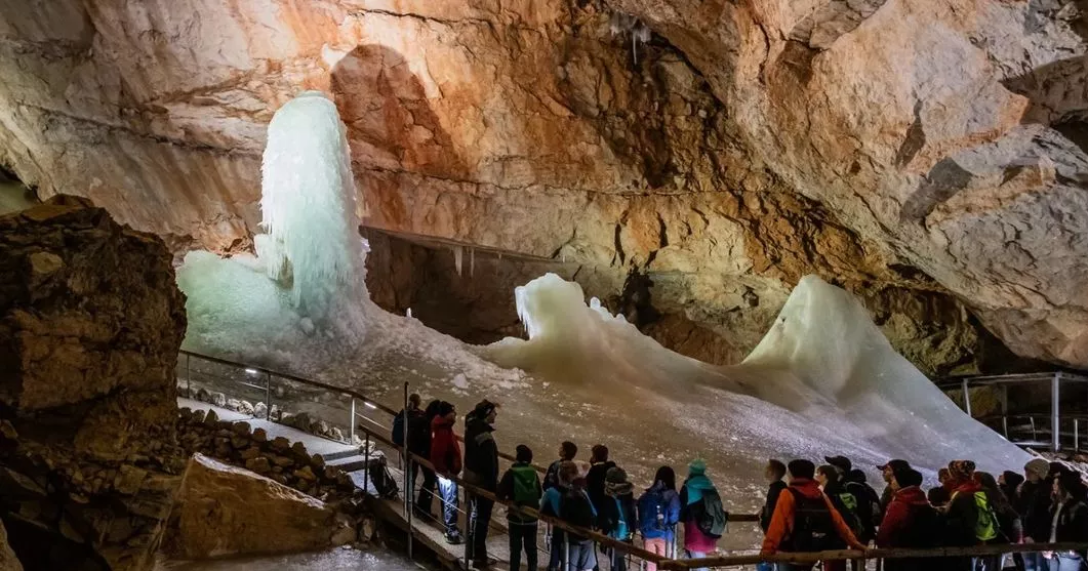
{"x": 446, "y": 457}
{"x": 909, "y": 522}
{"x": 804, "y": 517}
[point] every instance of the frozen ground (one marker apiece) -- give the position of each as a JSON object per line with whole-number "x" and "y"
{"x": 823, "y": 381}
{"x": 333, "y": 560}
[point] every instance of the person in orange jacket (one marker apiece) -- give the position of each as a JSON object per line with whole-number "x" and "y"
{"x": 804, "y": 517}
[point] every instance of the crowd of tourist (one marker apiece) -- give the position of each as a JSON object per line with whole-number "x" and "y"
{"x": 808, "y": 508}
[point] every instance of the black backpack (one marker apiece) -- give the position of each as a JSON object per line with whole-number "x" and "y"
{"x": 813, "y": 525}
{"x": 709, "y": 514}
{"x": 575, "y": 509}
{"x": 924, "y": 530}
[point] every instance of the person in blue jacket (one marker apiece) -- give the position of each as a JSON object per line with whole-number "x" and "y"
{"x": 659, "y": 512}
{"x": 550, "y": 505}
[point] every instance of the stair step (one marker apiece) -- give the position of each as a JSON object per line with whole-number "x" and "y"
{"x": 350, "y": 463}
{"x": 341, "y": 454}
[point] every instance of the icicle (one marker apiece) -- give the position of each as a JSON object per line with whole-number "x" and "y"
{"x": 458, "y": 258}
{"x": 409, "y": 314}
{"x": 471, "y": 262}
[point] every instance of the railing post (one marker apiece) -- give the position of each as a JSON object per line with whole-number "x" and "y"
{"x": 408, "y": 492}
{"x": 351, "y": 424}
{"x": 966, "y": 398}
{"x": 366, "y": 464}
{"x": 1005, "y": 409}
{"x": 566, "y": 551}
{"x": 1055, "y": 412}
{"x": 268, "y": 396}
{"x": 188, "y": 376}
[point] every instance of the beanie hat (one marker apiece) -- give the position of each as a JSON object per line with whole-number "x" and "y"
{"x": 1039, "y": 467}
{"x": 615, "y": 475}
{"x": 961, "y": 469}
{"x": 484, "y": 408}
{"x": 697, "y": 467}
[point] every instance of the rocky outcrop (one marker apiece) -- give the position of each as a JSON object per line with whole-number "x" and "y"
{"x": 8, "y": 561}
{"x": 223, "y": 510}
{"x": 920, "y": 147}
{"x": 90, "y": 326}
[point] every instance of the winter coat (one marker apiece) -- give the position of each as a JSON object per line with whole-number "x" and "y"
{"x": 910, "y": 522}
{"x": 617, "y": 509}
{"x": 869, "y": 510}
{"x": 1010, "y": 523}
{"x": 550, "y": 505}
{"x": 551, "y": 477}
{"x": 576, "y": 509}
{"x": 1072, "y": 524}
{"x": 768, "y": 506}
{"x": 481, "y": 454}
{"x": 595, "y": 482}
{"x": 505, "y": 491}
{"x": 445, "y": 452}
{"x": 670, "y": 501}
{"x": 692, "y": 493}
{"x": 782, "y": 520}
{"x": 1033, "y": 504}
{"x": 419, "y": 433}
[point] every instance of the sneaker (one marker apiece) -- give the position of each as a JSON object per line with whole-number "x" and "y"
{"x": 481, "y": 564}
{"x": 454, "y": 538}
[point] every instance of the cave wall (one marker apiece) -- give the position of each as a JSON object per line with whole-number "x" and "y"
{"x": 745, "y": 145}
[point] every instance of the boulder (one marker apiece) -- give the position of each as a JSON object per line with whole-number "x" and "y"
{"x": 223, "y": 510}
{"x": 8, "y": 561}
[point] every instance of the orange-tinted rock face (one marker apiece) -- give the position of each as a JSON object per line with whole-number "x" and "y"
{"x": 747, "y": 144}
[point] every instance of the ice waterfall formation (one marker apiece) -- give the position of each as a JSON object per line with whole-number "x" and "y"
{"x": 308, "y": 275}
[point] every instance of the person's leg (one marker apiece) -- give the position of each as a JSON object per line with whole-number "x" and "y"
{"x": 481, "y": 515}
{"x": 528, "y": 536}
{"x": 426, "y": 492}
{"x": 657, "y": 547}
{"x": 1069, "y": 562}
{"x": 556, "y": 556}
{"x": 515, "y": 546}
{"x": 696, "y": 555}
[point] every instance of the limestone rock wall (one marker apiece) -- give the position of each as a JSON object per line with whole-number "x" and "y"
{"x": 908, "y": 146}
{"x": 8, "y": 561}
{"x": 90, "y": 326}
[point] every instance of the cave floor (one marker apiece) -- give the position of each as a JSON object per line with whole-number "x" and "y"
{"x": 341, "y": 559}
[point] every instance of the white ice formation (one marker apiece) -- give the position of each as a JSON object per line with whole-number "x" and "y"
{"x": 823, "y": 381}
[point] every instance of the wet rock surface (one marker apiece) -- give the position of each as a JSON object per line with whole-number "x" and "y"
{"x": 916, "y": 149}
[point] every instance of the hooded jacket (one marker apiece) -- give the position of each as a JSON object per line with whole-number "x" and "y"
{"x": 481, "y": 453}
{"x": 595, "y": 482}
{"x": 908, "y": 511}
{"x": 962, "y": 515}
{"x": 1033, "y": 504}
{"x": 652, "y": 528}
{"x": 765, "y": 514}
{"x": 1072, "y": 522}
{"x": 445, "y": 452}
{"x": 523, "y": 472}
{"x": 783, "y": 518}
{"x": 691, "y": 493}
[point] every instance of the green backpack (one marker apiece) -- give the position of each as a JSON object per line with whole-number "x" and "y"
{"x": 986, "y": 526}
{"x": 526, "y": 485}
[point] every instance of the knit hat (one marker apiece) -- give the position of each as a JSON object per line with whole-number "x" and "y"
{"x": 616, "y": 484}
{"x": 841, "y": 462}
{"x": 615, "y": 475}
{"x": 697, "y": 467}
{"x": 961, "y": 469}
{"x": 484, "y": 408}
{"x": 1039, "y": 467}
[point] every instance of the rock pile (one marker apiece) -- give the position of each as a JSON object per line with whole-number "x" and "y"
{"x": 90, "y": 326}
{"x": 303, "y": 421}
{"x": 278, "y": 458}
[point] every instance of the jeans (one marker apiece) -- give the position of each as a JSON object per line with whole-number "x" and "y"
{"x": 426, "y": 492}
{"x": 696, "y": 555}
{"x": 659, "y": 546}
{"x": 523, "y": 536}
{"x": 1035, "y": 562}
{"x": 481, "y": 521}
{"x": 448, "y": 490}
{"x": 1066, "y": 562}
{"x": 617, "y": 559}
{"x": 582, "y": 557}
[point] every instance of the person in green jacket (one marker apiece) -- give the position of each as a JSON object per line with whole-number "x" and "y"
{"x": 521, "y": 485}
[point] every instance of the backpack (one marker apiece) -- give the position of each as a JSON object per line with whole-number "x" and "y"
{"x": 813, "y": 525}
{"x": 526, "y": 485}
{"x": 924, "y": 530}
{"x": 623, "y": 529}
{"x": 872, "y": 516}
{"x": 709, "y": 514}
{"x": 849, "y": 512}
{"x": 398, "y": 428}
{"x": 652, "y": 513}
{"x": 384, "y": 484}
{"x": 986, "y": 524}
{"x": 575, "y": 509}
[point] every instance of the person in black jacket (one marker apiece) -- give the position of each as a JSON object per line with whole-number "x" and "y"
{"x": 521, "y": 485}
{"x": 618, "y": 514}
{"x": 419, "y": 443}
{"x": 481, "y": 470}
{"x": 1069, "y": 517}
{"x": 775, "y": 472}
{"x": 567, "y": 452}
{"x": 599, "y": 465}
{"x": 1033, "y": 505}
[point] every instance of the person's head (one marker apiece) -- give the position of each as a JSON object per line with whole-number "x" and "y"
{"x": 414, "y": 402}
{"x": 568, "y": 471}
{"x": 615, "y": 475}
{"x": 841, "y": 462}
{"x": 1068, "y": 485}
{"x": 599, "y": 453}
{"x": 447, "y": 411}
{"x": 938, "y": 496}
{"x": 827, "y": 474}
{"x": 523, "y": 454}
{"x": 801, "y": 470}
{"x": 568, "y": 450}
{"x": 1057, "y": 469}
{"x": 666, "y": 477}
{"x": 1011, "y": 480}
{"x": 697, "y": 467}
{"x": 1036, "y": 470}
{"x": 986, "y": 480}
{"x": 774, "y": 471}
{"x": 856, "y": 475}
{"x": 888, "y": 469}
{"x": 961, "y": 470}
{"x": 943, "y": 475}
{"x": 432, "y": 409}
{"x": 906, "y": 478}
{"x": 486, "y": 411}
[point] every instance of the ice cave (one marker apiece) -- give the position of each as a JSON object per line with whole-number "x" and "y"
{"x": 235, "y": 236}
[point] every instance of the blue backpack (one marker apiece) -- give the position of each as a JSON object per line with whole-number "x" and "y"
{"x": 652, "y": 513}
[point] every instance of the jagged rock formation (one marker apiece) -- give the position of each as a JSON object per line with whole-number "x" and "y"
{"x": 223, "y": 510}
{"x": 90, "y": 326}
{"x": 8, "y": 561}
{"x": 924, "y": 153}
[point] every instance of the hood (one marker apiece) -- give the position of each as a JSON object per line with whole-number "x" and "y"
{"x": 440, "y": 422}
{"x": 912, "y": 495}
{"x": 807, "y": 488}
{"x": 475, "y": 423}
{"x": 967, "y": 487}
